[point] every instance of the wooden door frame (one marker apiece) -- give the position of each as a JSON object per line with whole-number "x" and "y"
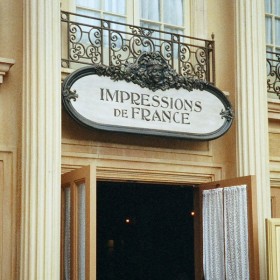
{"x": 87, "y": 175}
{"x": 119, "y": 174}
{"x": 253, "y": 248}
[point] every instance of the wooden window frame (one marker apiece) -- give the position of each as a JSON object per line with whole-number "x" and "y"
{"x": 132, "y": 15}
{"x": 273, "y": 17}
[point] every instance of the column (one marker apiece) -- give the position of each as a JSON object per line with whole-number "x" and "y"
{"x": 251, "y": 108}
{"x": 41, "y": 141}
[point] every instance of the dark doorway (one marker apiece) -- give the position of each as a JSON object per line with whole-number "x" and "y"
{"x": 144, "y": 231}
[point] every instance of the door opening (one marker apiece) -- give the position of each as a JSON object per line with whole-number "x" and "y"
{"x": 144, "y": 231}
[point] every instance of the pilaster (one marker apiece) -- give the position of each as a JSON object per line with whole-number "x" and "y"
{"x": 251, "y": 109}
{"x": 41, "y": 141}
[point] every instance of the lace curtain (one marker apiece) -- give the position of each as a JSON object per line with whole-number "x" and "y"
{"x": 225, "y": 233}
{"x": 93, "y": 8}
{"x": 213, "y": 233}
{"x": 81, "y": 204}
{"x": 149, "y": 9}
{"x": 67, "y": 233}
{"x": 82, "y": 231}
{"x": 114, "y": 6}
{"x": 272, "y": 23}
{"x": 172, "y": 11}
{"x": 236, "y": 233}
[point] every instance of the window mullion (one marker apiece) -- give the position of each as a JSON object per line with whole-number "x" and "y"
{"x": 132, "y": 12}
{"x": 161, "y": 16}
{"x": 273, "y": 25}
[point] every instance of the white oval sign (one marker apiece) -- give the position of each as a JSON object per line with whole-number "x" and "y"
{"x": 99, "y": 102}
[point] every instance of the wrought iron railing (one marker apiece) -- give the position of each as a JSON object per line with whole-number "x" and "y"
{"x": 88, "y": 40}
{"x": 273, "y": 72}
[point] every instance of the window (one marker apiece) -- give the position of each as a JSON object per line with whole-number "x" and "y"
{"x": 111, "y": 32}
{"x": 110, "y": 9}
{"x": 164, "y": 15}
{"x": 272, "y": 22}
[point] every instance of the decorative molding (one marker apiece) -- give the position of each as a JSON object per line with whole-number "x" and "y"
{"x": 273, "y": 238}
{"x": 153, "y": 72}
{"x": 142, "y": 169}
{"x": 275, "y": 183}
{"x": 274, "y": 172}
{"x": 153, "y": 176}
{"x": 273, "y": 109}
{"x": 5, "y": 65}
{"x": 149, "y": 71}
{"x": 88, "y": 146}
{"x": 195, "y": 175}
{"x": 65, "y": 72}
{"x": 167, "y": 164}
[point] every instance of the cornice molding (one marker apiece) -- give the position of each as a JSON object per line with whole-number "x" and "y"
{"x": 273, "y": 109}
{"x": 65, "y": 72}
{"x": 5, "y": 65}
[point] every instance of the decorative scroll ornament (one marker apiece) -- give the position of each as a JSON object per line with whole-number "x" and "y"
{"x": 68, "y": 94}
{"x": 150, "y": 71}
{"x": 227, "y": 114}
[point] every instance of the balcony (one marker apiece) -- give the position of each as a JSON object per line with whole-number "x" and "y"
{"x": 273, "y": 73}
{"x": 88, "y": 40}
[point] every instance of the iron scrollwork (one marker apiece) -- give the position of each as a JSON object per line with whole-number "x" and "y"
{"x": 273, "y": 73}
{"x": 92, "y": 40}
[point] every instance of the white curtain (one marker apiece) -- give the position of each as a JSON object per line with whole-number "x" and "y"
{"x": 115, "y": 6}
{"x": 93, "y": 4}
{"x": 213, "y": 233}
{"x": 67, "y": 233}
{"x": 173, "y": 12}
{"x": 236, "y": 233}
{"x": 277, "y": 7}
{"x": 82, "y": 231}
{"x": 225, "y": 233}
{"x": 150, "y": 9}
{"x": 272, "y": 22}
